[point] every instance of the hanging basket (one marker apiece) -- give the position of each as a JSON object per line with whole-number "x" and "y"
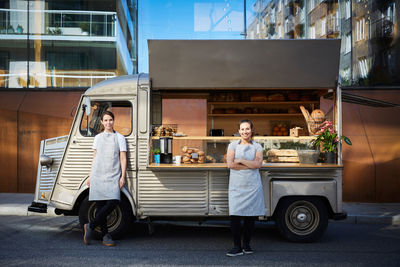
{"x": 313, "y": 125}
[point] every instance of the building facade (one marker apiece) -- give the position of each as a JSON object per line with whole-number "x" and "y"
{"x": 369, "y": 67}
{"x": 50, "y": 52}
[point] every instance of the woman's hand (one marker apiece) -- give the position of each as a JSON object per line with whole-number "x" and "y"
{"x": 121, "y": 182}
{"x": 238, "y": 161}
{"x": 88, "y": 182}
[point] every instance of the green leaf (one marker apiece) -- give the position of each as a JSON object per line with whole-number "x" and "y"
{"x": 347, "y": 140}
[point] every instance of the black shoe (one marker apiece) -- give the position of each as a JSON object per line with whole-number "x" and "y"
{"x": 236, "y": 251}
{"x": 247, "y": 249}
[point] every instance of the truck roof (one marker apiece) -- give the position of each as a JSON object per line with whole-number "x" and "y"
{"x": 122, "y": 85}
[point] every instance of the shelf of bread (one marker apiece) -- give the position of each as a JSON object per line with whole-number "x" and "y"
{"x": 265, "y": 103}
{"x": 256, "y": 115}
{"x": 223, "y": 138}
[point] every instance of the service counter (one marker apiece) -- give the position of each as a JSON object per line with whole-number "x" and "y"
{"x": 223, "y": 166}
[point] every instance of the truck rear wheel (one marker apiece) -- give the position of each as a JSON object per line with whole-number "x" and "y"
{"x": 302, "y": 219}
{"x": 117, "y": 222}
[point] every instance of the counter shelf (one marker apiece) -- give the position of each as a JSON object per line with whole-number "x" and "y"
{"x": 223, "y": 166}
{"x": 215, "y": 147}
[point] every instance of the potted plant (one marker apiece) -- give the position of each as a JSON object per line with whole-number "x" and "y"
{"x": 156, "y": 155}
{"x": 20, "y": 29}
{"x": 328, "y": 140}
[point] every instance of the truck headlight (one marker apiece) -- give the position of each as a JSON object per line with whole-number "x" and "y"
{"x": 45, "y": 160}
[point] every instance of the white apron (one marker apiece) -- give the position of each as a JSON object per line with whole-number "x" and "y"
{"x": 246, "y": 196}
{"x": 106, "y": 170}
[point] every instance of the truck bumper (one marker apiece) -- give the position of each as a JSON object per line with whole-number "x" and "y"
{"x": 339, "y": 216}
{"x": 38, "y": 207}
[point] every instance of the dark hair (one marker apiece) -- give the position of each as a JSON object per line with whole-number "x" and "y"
{"x": 249, "y": 122}
{"x": 109, "y": 113}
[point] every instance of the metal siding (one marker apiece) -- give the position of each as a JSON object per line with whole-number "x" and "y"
{"x": 218, "y": 193}
{"x": 143, "y": 153}
{"x": 172, "y": 193}
{"x": 46, "y": 176}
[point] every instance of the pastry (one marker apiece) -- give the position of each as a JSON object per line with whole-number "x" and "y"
{"x": 276, "y": 97}
{"x": 258, "y": 97}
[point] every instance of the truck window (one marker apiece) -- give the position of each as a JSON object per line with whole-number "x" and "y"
{"x": 91, "y": 126}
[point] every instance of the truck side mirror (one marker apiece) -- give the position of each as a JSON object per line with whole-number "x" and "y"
{"x": 87, "y": 106}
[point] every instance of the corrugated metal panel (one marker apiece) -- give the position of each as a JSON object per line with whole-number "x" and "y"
{"x": 218, "y": 193}
{"x": 77, "y": 163}
{"x": 54, "y": 148}
{"x": 172, "y": 193}
{"x": 143, "y": 153}
{"x": 131, "y": 146}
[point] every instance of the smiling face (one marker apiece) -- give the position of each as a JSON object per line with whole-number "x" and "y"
{"x": 108, "y": 123}
{"x": 245, "y": 131}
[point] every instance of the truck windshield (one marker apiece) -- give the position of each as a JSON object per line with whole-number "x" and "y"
{"x": 91, "y": 125}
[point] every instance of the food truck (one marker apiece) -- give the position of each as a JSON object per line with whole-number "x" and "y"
{"x": 178, "y": 121}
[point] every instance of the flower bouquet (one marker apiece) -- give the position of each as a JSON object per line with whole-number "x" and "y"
{"x": 328, "y": 139}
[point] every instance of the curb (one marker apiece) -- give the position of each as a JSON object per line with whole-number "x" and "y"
{"x": 372, "y": 219}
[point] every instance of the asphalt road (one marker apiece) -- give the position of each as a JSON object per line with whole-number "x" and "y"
{"x": 57, "y": 241}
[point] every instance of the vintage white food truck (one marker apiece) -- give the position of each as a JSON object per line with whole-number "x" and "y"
{"x": 214, "y": 83}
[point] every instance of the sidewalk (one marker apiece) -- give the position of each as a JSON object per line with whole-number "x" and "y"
{"x": 357, "y": 213}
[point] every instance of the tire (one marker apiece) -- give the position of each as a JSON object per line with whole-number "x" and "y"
{"x": 302, "y": 219}
{"x": 117, "y": 222}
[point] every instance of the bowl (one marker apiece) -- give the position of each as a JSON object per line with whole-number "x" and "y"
{"x": 308, "y": 156}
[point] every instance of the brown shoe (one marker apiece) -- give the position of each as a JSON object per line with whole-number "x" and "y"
{"x": 107, "y": 241}
{"x": 87, "y": 234}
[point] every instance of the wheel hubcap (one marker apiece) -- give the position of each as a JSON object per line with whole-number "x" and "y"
{"x": 301, "y": 217}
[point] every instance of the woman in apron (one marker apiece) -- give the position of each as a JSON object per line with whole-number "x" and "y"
{"x": 107, "y": 177}
{"x": 246, "y": 199}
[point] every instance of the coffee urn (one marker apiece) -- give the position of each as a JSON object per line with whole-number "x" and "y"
{"x": 166, "y": 150}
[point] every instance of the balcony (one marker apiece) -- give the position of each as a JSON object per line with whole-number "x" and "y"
{"x": 57, "y": 24}
{"x": 383, "y": 33}
{"x": 333, "y": 29}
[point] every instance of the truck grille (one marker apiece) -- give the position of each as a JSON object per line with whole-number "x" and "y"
{"x": 53, "y": 148}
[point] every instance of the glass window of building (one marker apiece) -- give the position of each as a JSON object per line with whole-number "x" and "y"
{"x": 347, "y": 9}
{"x": 360, "y": 29}
{"x": 66, "y": 44}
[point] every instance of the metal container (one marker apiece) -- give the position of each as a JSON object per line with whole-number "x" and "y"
{"x": 308, "y": 156}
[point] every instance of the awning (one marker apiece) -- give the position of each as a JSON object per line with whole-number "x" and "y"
{"x": 245, "y": 64}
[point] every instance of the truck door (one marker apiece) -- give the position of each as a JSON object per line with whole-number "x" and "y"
{"x": 78, "y": 156}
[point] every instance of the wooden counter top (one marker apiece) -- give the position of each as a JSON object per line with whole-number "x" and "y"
{"x": 222, "y": 166}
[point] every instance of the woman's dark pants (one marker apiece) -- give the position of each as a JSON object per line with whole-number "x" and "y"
{"x": 237, "y": 230}
{"x": 103, "y": 209}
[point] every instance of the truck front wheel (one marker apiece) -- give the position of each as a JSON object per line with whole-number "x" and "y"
{"x": 117, "y": 222}
{"x": 302, "y": 219}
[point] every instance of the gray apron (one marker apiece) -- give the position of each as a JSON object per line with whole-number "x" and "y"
{"x": 246, "y": 196}
{"x": 106, "y": 170}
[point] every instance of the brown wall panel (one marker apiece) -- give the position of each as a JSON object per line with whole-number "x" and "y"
{"x": 32, "y": 129}
{"x": 28, "y": 118}
{"x": 371, "y": 165}
{"x": 8, "y": 151}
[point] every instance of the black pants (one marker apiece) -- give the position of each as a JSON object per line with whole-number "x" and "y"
{"x": 103, "y": 209}
{"x": 237, "y": 230}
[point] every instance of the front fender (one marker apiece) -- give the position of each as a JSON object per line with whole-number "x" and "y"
{"x": 322, "y": 188}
